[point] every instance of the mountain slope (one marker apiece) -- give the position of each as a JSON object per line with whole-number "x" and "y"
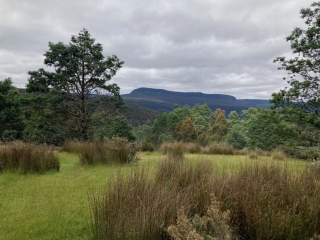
{"x": 163, "y": 100}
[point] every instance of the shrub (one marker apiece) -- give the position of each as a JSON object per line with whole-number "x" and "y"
{"x": 308, "y": 153}
{"x": 213, "y": 225}
{"x": 115, "y": 151}
{"x": 27, "y": 158}
{"x": 173, "y": 150}
{"x": 147, "y": 146}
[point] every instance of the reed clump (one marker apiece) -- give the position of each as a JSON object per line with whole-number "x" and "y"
{"x": 174, "y": 150}
{"x": 140, "y": 207}
{"x": 192, "y": 148}
{"x": 183, "y": 200}
{"x": 218, "y": 149}
{"x": 27, "y": 158}
{"x": 115, "y": 151}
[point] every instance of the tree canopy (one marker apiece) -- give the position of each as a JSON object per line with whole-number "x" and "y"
{"x": 302, "y": 97}
{"x": 80, "y": 75}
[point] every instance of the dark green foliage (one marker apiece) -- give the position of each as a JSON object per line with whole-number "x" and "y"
{"x": 236, "y": 136}
{"x": 147, "y": 146}
{"x": 267, "y": 129}
{"x": 233, "y": 118}
{"x": 11, "y": 115}
{"x": 218, "y": 131}
{"x": 138, "y": 116}
{"x": 185, "y": 131}
{"x": 159, "y": 128}
{"x": 142, "y": 132}
{"x": 81, "y": 74}
{"x": 46, "y": 118}
{"x": 110, "y": 127}
{"x": 27, "y": 158}
{"x": 301, "y": 100}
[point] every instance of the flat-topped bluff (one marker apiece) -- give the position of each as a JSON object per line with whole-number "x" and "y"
{"x": 164, "y": 100}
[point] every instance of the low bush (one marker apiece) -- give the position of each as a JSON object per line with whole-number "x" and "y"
{"x": 307, "y": 153}
{"x": 115, "y": 151}
{"x": 213, "y": 225}
{"x": 147, "y": 146}
{"x": 27, "y": 158}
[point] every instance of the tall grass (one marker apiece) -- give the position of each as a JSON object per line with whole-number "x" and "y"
{"x": 173, "y": 150}
{"x": 72, "y": 146}
{"x": 115, "y": 151}
{"x": 27, "y": 158}
{"x": 139, "y": 207}
{"x": 264, "y": 200}
{"x": 218, "y": 149}
{"x": 268, "y": 202}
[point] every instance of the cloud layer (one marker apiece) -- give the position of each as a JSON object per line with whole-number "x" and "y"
{"x": 208, "y": 46}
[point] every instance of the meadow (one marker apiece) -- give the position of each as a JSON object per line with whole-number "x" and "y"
{"x": 123, "y": 201}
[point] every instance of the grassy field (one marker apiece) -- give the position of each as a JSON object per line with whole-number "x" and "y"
{"x": 55, "y": 205}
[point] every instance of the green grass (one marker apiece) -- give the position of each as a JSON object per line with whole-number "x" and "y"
{"x": 55, "y": 205}
{"x": 50, "y": 206}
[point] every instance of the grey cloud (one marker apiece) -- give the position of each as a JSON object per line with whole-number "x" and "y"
{"x": 184, "y": 45}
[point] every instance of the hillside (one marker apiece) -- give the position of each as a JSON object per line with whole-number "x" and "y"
{"x": 163, "y": 100}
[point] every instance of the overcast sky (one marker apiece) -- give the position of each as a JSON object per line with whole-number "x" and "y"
{"x": 209, "y": 46}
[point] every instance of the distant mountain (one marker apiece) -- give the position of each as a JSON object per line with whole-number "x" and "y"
{"x": 163, "y": 100}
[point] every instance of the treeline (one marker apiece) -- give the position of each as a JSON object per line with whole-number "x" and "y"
{"x": 258, "y": 127}
{"x": 43, "y": 118}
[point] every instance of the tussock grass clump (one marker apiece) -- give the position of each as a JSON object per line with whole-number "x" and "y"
{"x": 193, "y": 148}
{"x": 253, "y": 155}
{"x": 267, "y": 202}
{"x": 27, "y": 158}
{"x": 139, "y": 207}
{"x": 218, "y": 149}
{"x": 115, "y": 151}
{"x": 72, "y": 146}
{"x": 278, "y": 155}
{"x": 173, "y": 150}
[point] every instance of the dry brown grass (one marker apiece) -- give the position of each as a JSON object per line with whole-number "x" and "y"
{"x": 173, "y": 150}
{"x": 218, "y": 149}
{"x": 115, "y": 151}
{"x": 27, "y": 158}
